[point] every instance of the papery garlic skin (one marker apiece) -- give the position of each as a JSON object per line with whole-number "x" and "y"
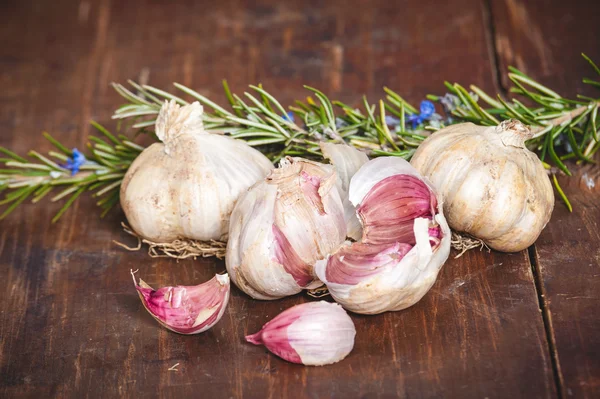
{"x": 187, "y": 309}
{"x": 494, "y": 188}
{"x": 347, "y": 160}
{"x": 281, "y": 226}
{"x": 313, "y": 334}
{"x": 186, "y": 185}
{"x": 405, "y": 241}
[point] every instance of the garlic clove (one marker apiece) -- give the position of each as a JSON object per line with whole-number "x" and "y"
{"x": 371, "y": 279}
{"x": 347, "y": 160}
{"x": 388, "y": 216}
{"x": 308, "y": 200}
{"x": 281, "y": 226}
{"x": 313, "y": 334}
{"x": 186, "y": 309}
{"x": 405, "y": 241}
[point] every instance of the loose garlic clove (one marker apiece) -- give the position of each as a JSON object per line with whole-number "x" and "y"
{"x": 313, "y": 334}
{"x": 187, "y": 309}
{"x": 282, "y": 226}
{"x": 405, "y": 242}
{"x": 347, "y": 160}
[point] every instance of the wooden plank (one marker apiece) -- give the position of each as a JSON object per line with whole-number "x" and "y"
{"x": 567, "y": 254}
{"x": 72, "y": 325}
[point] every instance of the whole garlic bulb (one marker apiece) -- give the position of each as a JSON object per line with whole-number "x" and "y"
{"x": 493, "y": 187}
{"x": 186, "y": 185}
{"x": 313, "y": 334}
{"x": 405, "y": 241}
{"x": 281, "y": 226}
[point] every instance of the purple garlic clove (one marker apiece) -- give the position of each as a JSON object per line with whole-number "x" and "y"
{"x": 187, "y": 309}
{"x": 313, "y": 334}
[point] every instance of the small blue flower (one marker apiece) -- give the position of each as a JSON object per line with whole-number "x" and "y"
{"x": 289, "y": 117}
{"x": 391, "y": 121}
{"x": 427, "y": 109}
{"x": 75, "y": 162}
{"x": 450, "y": 102}
{"x": 340, "y": 123}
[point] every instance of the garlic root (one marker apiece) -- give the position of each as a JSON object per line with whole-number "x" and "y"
{"x": 178, "y": 249}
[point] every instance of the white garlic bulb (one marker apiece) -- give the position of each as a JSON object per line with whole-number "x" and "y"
{"x": 493, "y": 187}
{"x": 313, "y": 334}
{"x": 347, "y": 160}
{"x": 405, "y": 241}
{"x": 186, "y": 185}
{"x": 282, "y": 226}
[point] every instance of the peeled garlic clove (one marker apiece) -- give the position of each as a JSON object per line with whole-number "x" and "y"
{"x": 187, "y": 309}
{"x": 347, "y": 160}
{"x": 281, "y": 226}
{"x": 313, "y": 334}
{"x": 186, "y": 185}
{"x": 493, "y": 187}
{"x": 405, "y": 242}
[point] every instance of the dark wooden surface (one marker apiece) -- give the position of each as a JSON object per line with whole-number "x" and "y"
{"x": 494, "y": 325}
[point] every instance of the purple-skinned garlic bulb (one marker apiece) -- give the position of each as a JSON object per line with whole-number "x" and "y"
{"x": 187, "y": 309}
{"x": 405, "y": 241}
{"x": 313, "y": 334}
{"x": 281, "y": 226}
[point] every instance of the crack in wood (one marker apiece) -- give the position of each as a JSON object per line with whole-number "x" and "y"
{"x": 547, "y": 319}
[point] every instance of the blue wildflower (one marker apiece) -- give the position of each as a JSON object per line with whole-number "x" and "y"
{"x": 340, "y": 123}
{"x": 450, "y": 102}
{"x": 426, "y": 110}
{"x": 75, "y": 162}
{"x": 289, "y": 117}
{"x": 391, "y": 121}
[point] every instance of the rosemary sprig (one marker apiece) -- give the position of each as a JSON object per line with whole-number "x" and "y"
{"x": 564, "y": 129}
{"x": 259, "y": 119}
{"x": 101, "y": 171}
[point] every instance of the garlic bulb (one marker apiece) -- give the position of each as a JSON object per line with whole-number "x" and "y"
{"x": 281, "y": 226}
{"x": 313, "y": 334}
{"x": 186, "y": 185}
{"x": 347, "y": 160}
{"x": 493, "y": 187}
{"x": 187, "y": 309}
{"x": 405, "y": 241}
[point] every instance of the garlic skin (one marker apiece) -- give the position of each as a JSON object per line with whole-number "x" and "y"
{"x": 494, "y": 188}
{"x": 347, "y": 160}
{"x": 405, "y": 241}
{"x": 187, "y": 309}
{"x": 186, "y": 185}
{"x": 281, "y": 226}
{"x": 313, "y": 334}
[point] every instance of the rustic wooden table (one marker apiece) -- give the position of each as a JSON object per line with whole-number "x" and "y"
{"x": 494, "y": 325}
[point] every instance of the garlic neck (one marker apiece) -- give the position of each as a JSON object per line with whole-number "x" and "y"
{"x": 174, "y": 120}
{"x": 513, "y": 133}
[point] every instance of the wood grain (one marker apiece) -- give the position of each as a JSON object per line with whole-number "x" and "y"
{"x": 71, "y": 324}
{"x": 545, "y": 39}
